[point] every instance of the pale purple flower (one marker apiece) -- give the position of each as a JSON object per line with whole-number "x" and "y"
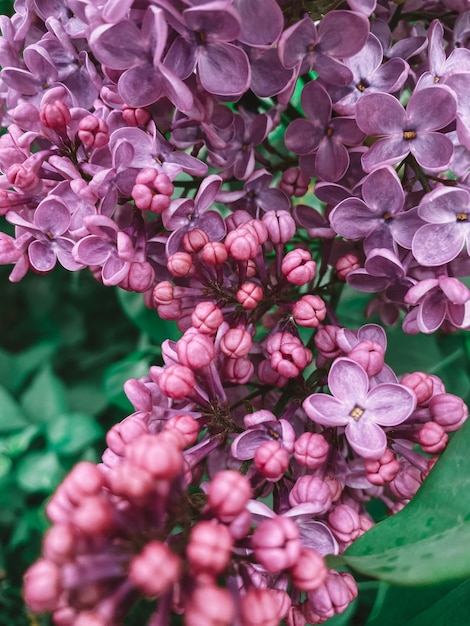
{"x": 411, "y": 131}
{"x": 361, "y": 411}
{"x": 262, "y": 426}
{"x": 447, "y": 213}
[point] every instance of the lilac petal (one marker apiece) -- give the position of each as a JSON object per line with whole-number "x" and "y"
{"x": 455, "y": 291}
{"x": 332, "y": 70}
{"x": 178, "y": 214}
{"x": 259, "y": 510}
{"x": 332, "y": 160}
{"x": 302, "y": 137}
{"x": 433, "y": 151}
{"x": 437, "y": 244}
{"x": 362, "y": 281}
{"x": 431, "y": 108}
{"x": 404, "y": 227}
{"x": 459, "y": 314}
{"x": 63, "y": 248}
{"x": 367, "y": 60}
{"x": 114, "y": 270}
{"x": 348, "y": 381}
{"x": 384, "y": 262}
{"x": 326, "y": 410}
{"x": 389, "y": 404}
{"x": 52, "y": 217}
{"x": 418, "y": 291}
{"x": 347, "y": 130}
{"x": 118, "y": 46}
{"x": 91, "y": 250}
{"x": 352, "y": 219}
{"x": 383, "y": 192}
{"x": 268, "y": 76}
{"x": 245, "y": 445}
{"x": 317, "y": 536}
{"x": 207, "y": 192}
{"x": 220, "y": 22}
{"x": 187, "y": 163}
{"x": 20, "y": 80}
{"x": 380, "y": 114}
{"x": 373, "y": 332}
{"x": 177, "y": 92}
{"x": 442, "y": 205}
{"x": 431, "y": 313}
{"x": 140, "y": 86}
{"x": 261, "y": 21}
{"x": 42, "y": 256}
{"x": 224, "y": 69}
{"x": 366, "y": 439}
{"x": 386, "y": 151}
{"x": 295, "y": 40}
{"x": 213, "y": 224}
{"x": 391, "y": 76}
{"x": 181, "y": 58}
{"x": 342, "y": 33}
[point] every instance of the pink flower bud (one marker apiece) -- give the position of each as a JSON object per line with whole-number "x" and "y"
{"x": 186, "y": 426}
{"x": 163, "y": 293}
{"x": 180, "y": 264}
{"x": 310, "y": 571}
{"x": 84, "y": 480}
{"x": 141, "y": 276}
{"x": 294, "y": 182}
{"x": 236, "y": 342}
{"x": 209, "y": 548}
{"x": 383, "y": 470}
{"x": 326, "y": 343}
{"x": 209, "y": 605}
{"x": 157, "y": 454}
{"x": 346, "y": 264}
{"x": 298, "y": 267}
{"x": 240, "y": 527}
{"x": 272, "y": 460}
{"x": 214, "y": 253}
{"x": 433, "y": 438}
{"x": 155, "y": 569}
{"x": 448, "y": 411}
{"x": 60, "y": 543}
{"x": 268, "y": 376}
{"x": 131, "y": 481}
{"x": 421, "y": 384}
{"x": 228, "y": 494}
{"x": 207, "y": 317}
{"x": 42, "y": 586}
{"x": 9, "y": 253}
{"x": 177, "y": 381}
{"x": 241, "y": 244}
{"x": 90, "y": 618}
{"x": 163, "y": 184}
{"x": 239, "y": 371}
{"x": 295, "y": 617}
{"x": 195, "y": 240}
{"x": 276, "y": 544}
{"x": 22, "y": 177}
{"x": 336, "y": 488}
{"x": 345, "y": 523}
{"x": 55, "y": 115}
{"x": 195, "y": 350}
{"x": 280, "y": 225}
{"x": 309, "y": 311}
{"x": 135, "y": 117}
{"x": 93, "y": 516}
{"x": 288, "y": 355}
{"x": 333, "y": 596}
{"x": 250, "y": 295}
{"x": 311, "y": 489}
{"x": 311, "y": 450}
{"x": 93, "y": 132}
{"x": 258, "y": 609}
{"x": 370, "y": 355}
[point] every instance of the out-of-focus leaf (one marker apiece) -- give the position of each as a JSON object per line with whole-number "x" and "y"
{"x": 28, "y": 361}
{"x": 86, "y": 397}
{"x": 425, "y": 543}
{"x": 147, "y": 321}
{"x": 11, "y": 416}
{"x": 16, "y": 444}
{"x": 71, "y": 433}
{"x": 45, "y": 398}
{"x": 5, "y": 465}
{"x": 39, "y": 471}
{"x": 135, "y": 366}
{"x": 420, "y": 607}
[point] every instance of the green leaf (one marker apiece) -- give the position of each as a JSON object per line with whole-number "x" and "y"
{"x": 39, "y": 471}
{"x": 448, "y": 603}
{"x": 422, "y": 544}
{"x": 27, "y": 362}
{"x": 5, "y": 465}
{"x": 16, "y": 444}
{"x": 45, "y": 398}
{"x": 11, "y": 416}
{"x": 147, "y": 321}
{"x": 71, "y": 433}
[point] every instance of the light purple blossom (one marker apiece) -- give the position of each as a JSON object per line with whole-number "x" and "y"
{"x": 361, "y": 411}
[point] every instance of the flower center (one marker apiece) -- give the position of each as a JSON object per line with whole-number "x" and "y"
{"x": 357, "y": 413}
{"x": 273, "y": 434}
{"x": 387, "y": 216}
{"x": 462, "y": 217}
{"x": 310, "y": 47}
{"x": 329, "y": 131}
{"x": 201, "y": 38}
{"x": 409, "y": 134}
{"x": 362, "y": 85}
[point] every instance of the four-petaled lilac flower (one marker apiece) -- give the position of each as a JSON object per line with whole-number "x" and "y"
{"x": 185, "y": 214}
{"x": 361, "y": 411}
{"x": 262, "y": 426}
{"x": 46, "y": 236}
{"x": 413, "y": 130}
{"x": 442, "y": 238}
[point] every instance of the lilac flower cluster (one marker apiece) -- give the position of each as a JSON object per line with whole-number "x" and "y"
{"x": 180, "y": 149}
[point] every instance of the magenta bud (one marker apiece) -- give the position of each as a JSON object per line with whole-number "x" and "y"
{"x": 22, "y": 177}
{"x": 326, "y": 342}
{"x": 209, "y": 605}
{"x": 42, "y": 586}
{"x": 155, "y": 569}
{"x": 135, "y": 117}
{"x": 207, "y": 317}
{"x": 131, "y": 481}
{"x": 195, "y": 350}
{"x": 55, "y": 115}
{"x": 280, "y": 225}
{"x": 311, "y": 489}
{"x": 159, "y": 454}
{"x": 433, "y": 438}
{"x": 258, "y": 608}
{"x": 195, "y": 240}
{"x": 93, "y": 132}
{"x": 298, "y": 267}
{"x": 141, "y": 276}
{"x": 309, "y": 311}
{"x": 345, "y": 523}
{"x": 93, "y": 516}
{"x": 311, "y": 450}
{"x": 383, "y": 470}
{"x": 177, "y": 381}
{"x": 294, "y": 182}
{"x": 346, "y": 264}
{"x": 209, "y": 548}
{"x": 236, "y": 342}
{"x": 186, "y": 426}
{"x": 214, "y": 253}
{"x": 370, "y": 355}
{"x": 421, "y": 384}
{"x": 333, "y": 596}
{"x": 309, "y": 572}
{"x": 241, "y": 244}
{"x": 60, "y": 543}
{"x": 250, "y": 295}
{"x": 272, "y": 460}
{"x": 163, "y": 293}
{"x": 448, "y": 411}
{"x": 228, "y": 494}
{"x": 239, "y": 371}
{"x": 276, "y": 544}
{"x": 407, "y": 482}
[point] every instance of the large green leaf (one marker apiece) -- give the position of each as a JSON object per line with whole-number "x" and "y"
{"x": 446, "y": 605}
{"x": 70, "y": 433}
{"x": 427, "y": 541}
{"x": 39, "y": 471}
{"x": 11, "y": 416}
{"x": 45, "y": 398}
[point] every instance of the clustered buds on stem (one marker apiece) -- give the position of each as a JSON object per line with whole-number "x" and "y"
{"x": 113, "y": 119}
